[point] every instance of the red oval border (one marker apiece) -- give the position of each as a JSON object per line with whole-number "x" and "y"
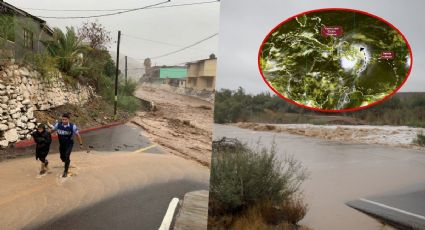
{"x": 336, "y": 110}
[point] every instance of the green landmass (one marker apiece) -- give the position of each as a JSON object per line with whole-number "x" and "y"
{"x": 334, "y": 72}
{"x": 237, "y": 106}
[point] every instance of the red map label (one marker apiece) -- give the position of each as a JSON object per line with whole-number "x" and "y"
{"x": 388, "y": 55}
{"x": 335, "y": 31}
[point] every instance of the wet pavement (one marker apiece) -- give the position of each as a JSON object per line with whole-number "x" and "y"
{"x": 126, "y": 137}
{"x": 116, "y": 190}
{"x": 138, "y": 209}
{"x": 123, "y": 181}
{"x": 340, "y": 173}
{"x": 405, "y": 209}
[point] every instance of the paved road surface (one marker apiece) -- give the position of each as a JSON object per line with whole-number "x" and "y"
{"x": 140, "y": 209}
{"x": 103, "y": 183}
{"x": 405, "y": 209}
{"x": 126, "y": 137}
{"x": 342, "y": 173}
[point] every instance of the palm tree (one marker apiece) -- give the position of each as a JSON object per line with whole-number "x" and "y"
{"x": 68, "y": 49}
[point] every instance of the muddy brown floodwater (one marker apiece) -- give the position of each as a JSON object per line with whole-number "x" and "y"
{"x": 99, "y": 179}
{"x": 340, "y": 173}
{"x": 180, "y": 124}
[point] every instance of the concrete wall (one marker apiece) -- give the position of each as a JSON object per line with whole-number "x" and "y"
{"x": 192, "y": 70}
{"x": 201, "y": 75}
{"x": 17, "y": 47}
{"x": 202, "y": 68}
{"x": 208, "y": 68}
{"x": 22, "y": 91}
{"x": 38, "y": 34}
{"x": 202, "y": 83}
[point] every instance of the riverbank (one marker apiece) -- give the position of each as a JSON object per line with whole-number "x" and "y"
{"x": 395, "y": 136}
{"x": 340, "y": 173}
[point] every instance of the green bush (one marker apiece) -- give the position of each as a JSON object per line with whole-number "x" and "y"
{"x": 126, "y": 100}
{"x": 45, "y": 65}
{"x": 420, "y": 139}
{"x": 242, "y": 177}
{"x": 129, "y": 88}
{"x": 129, "y": 103}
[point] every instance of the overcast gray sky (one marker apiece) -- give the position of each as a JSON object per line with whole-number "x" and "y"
{"x": 181, "y": 26}
{"x": 245, "y": 23}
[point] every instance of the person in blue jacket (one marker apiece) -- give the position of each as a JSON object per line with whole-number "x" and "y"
{"x": 66, "y": 131}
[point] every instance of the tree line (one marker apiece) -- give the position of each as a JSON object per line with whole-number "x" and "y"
{"x": 238, "y": 106}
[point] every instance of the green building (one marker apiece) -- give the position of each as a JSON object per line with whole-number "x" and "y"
{"x": 172, "y": 75}
{"x": 172, "y": 72}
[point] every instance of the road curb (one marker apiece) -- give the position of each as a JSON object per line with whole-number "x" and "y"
{"x": 30, "y": 142}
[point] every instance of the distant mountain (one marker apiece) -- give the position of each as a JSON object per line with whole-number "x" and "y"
{"x": 135, "y": 67}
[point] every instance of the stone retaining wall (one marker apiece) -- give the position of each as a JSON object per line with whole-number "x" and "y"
{"x": 22, "y": 91}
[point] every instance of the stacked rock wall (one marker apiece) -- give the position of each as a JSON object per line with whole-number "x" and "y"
{"x": 22, "y": 91}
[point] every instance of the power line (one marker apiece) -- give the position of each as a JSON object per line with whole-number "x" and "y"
{"x": 136, "y": 68}
{"x": 150, "y": 40}
{"x": 104, "y": 15}
{"x": 184, "y": 48}
{"x": 109, "y": 10}
{"x": 154, "y": 6}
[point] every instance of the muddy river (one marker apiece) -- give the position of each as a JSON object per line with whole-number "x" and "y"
{"x": 340, "y": 173}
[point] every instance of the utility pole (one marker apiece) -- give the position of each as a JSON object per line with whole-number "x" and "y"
{"x": 116, "y": 75}
{"x": 126, "y": 70}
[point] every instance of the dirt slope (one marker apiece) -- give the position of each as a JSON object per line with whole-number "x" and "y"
{"x": 180, "y": 124}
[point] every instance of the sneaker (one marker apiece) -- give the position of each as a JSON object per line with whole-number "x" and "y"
{"x": 65, "y": 174}
{"x": 42, "y": 172}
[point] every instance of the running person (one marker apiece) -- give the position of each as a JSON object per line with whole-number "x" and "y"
{"x": 43, "y": 139}
{"x": 66, "y": 130}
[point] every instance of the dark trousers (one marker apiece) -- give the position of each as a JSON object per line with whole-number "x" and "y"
{"x": 41, "y": 154}
{"x": 65, "y": 149}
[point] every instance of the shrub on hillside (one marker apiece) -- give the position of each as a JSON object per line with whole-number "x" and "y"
{"x": 126, "y": 100}
{"x": 420, "y": 139}
{"x": 45, "y": 65}
{"x": 243, "y": 178}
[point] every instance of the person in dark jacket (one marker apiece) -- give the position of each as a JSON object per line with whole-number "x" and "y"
{"x": 43, "y": 139}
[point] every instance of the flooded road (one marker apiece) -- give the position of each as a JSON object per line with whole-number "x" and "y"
{"x": 340, "y": 173}
{"x": 101, "y": 183}
{"x": 139, "y": 209}
{"x": 124, "y": 138}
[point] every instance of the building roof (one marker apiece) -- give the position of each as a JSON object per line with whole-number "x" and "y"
{"x": 25, "y": 14}
{"x": 212, "y": 57}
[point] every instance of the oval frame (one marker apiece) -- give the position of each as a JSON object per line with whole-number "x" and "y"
{"x": 334, "y": 110}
